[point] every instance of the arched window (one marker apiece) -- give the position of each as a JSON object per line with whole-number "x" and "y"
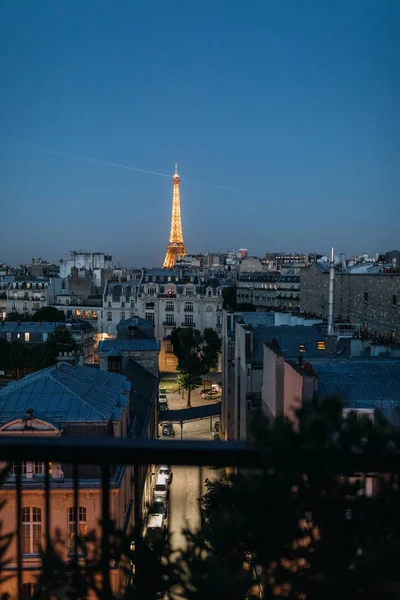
{"x": 82, "y": 527}
{"x": 31, "y": 530}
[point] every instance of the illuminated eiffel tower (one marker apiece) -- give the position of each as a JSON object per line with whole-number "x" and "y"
{"x": 176, "y": 247}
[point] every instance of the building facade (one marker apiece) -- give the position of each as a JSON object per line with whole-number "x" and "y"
{"x": 62, "y": 401}
{"x": 371, "y": 300}
{"x": 269, "y": 290}
{"x": 29, "y": 294}
{"x": 85, "y": 260}
{"x": 170, "y": 298}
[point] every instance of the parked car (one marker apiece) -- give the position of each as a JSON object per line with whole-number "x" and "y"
{"x": 211, "y": 395}
{"x": 159, "y": 507}
{"x": 166, "y": 471}
{"x": 168, "y": 430}
{"x": 162, "y": 404}
{"x": 161, "y": 488}
{"x": 162, "y": 391}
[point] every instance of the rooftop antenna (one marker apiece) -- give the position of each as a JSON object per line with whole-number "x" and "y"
{"x": 331, "y": 290}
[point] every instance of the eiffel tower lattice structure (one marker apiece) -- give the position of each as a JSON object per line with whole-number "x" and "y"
{"x": 176, "y": 247}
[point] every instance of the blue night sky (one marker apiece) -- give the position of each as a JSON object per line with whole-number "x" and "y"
{"x": 283, "y": 116}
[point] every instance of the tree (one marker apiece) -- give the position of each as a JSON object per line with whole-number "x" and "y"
{"x": 197, "y": 355}
{"x": 19, "y": 356}
{"x": 59, "y": 341}
{"x": 49, "y": 314}
{"x": 17, "y": 316}
{"x": 309, "y": 531}
{"x": 229, "y": 297}
{"x": 4, "y": 355}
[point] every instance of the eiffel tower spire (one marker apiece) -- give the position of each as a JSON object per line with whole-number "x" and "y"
{"x": 176, "y": 247}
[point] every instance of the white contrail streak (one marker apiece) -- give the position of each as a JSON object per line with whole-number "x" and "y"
{"x": 106, "y": 163}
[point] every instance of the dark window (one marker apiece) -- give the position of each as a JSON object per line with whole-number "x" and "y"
{"x": 394, "y": 300}
{"x": 365, "y": 296}
{"x": 115, "y": 364}
{"x": 109, "y": 316}
{"x": 168, "y": 347}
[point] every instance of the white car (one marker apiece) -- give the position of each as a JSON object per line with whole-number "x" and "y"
{"x": 161, "y": 488}
{"x": 166, "y": 471}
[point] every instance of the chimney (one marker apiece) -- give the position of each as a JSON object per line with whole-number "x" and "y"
{"x": 331, "y": 289}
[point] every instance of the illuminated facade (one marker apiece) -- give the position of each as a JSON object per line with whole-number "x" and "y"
{"x": 176, "y": 247}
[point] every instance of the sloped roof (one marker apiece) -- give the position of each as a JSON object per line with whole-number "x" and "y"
{"x": 28, "y": 326}
{"x": 115, "y": 347}
{"x": 289, "y": 339}
{"x": 363, "y": 384}
{"x": 65, "y": 394}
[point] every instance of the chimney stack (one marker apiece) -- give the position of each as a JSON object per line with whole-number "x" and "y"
{"x": 331, "y": 290}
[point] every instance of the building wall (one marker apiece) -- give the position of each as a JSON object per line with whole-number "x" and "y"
{"x": 167, "y": 360}
{"x": 272, "y": 386}
{"x": 60, "y": 501}
{"x": 292, "y": 390}
{"x": 85, "y": 260}
{"x": 147, "y": 359}
{"x": 378, "y": 312}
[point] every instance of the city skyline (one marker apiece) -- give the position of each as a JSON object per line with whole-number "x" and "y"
{"x": 283, "y": 121}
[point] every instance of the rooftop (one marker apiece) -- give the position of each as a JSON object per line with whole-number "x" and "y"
{"x": 65, "y": 394}
{"x": 115, "y": 347}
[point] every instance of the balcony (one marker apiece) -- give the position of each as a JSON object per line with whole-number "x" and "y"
{"x": 185, "y": 324}
{"x": 169, "y": 323}
{"x": 124, "y": 549}
{"x": 188, "y": 309}
{"x": 312, "y": 518}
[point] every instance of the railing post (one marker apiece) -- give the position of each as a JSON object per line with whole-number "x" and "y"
{"x": 19, "y": 519}
{"x": 105, "y": 541}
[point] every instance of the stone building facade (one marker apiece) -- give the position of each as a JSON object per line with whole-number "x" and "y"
{"x": 173, "y": 298}
{"x": 269, "y": 290}
{"x": 370, "y": 300}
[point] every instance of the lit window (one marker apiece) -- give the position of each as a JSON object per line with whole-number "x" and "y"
{"x": 302, "y": 348}
{"x": 78, "y": 313}
{"x": 321, "y": 345}
{"x": 45, "y": 336}
{"x": 94, "y": 314}
{"x": 81, "y": 529}
{"x": 86, "y": 314}
{"x": 31, "y": 530}
{"x": 27, "y": 337}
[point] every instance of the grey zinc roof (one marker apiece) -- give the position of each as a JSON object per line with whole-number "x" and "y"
{"x": 28, "y": 326}
{"x": 65, "y": 394}
{"x": 115, "y": 347}
{"x": 289, "y": 340}
{"x": 363, "y": 384}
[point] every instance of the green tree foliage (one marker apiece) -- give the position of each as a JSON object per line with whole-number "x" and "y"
{"x": 197, "y": 355}
{"x": 49, "y": 314}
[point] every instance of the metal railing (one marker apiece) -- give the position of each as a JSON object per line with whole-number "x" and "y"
{"x": 108, "y": 452}
{"x": 105, "y": 453}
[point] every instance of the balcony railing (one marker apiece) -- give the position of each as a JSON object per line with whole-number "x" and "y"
{"x": 188, "y": 309}
{"x": 185, "y": 324}
{"x": 169, "y": 323}
{"x": 105, "y": 453}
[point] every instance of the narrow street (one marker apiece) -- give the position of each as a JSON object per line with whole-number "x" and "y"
{"x": 188, "y": 483}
